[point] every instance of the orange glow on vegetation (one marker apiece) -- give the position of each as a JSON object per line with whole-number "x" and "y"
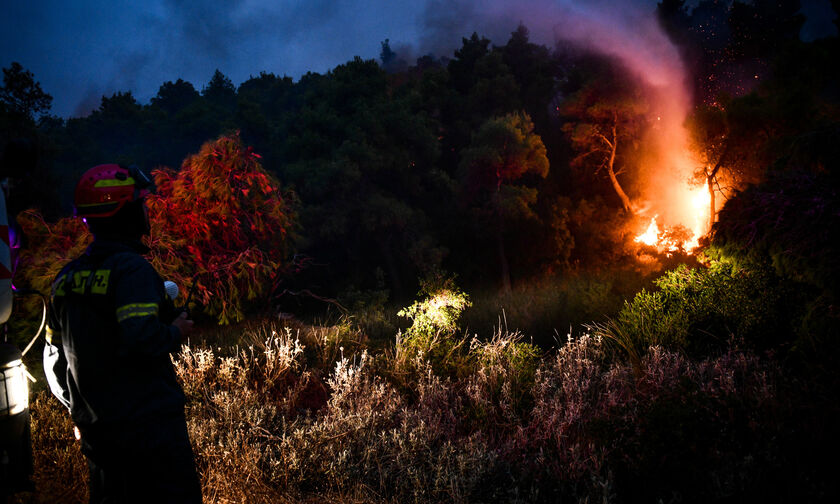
{"x": 654, "y": 236}
{"x": 665, "y": 239}
{"x": 651, "y": 234}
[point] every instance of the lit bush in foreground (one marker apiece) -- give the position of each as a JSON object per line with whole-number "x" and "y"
{"x": 432, "y": 336}
{"x": 221, "y": 225}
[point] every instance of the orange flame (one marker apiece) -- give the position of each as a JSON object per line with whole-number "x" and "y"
{"x": 696, "y": 199}
{"x": 651, "y": 234}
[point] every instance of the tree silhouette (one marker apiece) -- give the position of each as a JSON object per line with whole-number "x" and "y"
{"x": 363, "y": 161}
{"x": 503, "y": 152}
{"x": 173, "y": 97}
{"x": 220, "y": 91}
{"x": 607, "y": 117}
{"x": 21, "y": 94}
{"x": 728, "y": 138}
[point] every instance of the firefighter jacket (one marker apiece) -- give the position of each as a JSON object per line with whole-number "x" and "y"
{"x": 107, "y": 356}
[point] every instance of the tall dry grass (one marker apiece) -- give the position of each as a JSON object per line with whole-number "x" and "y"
{"x": 279, "y": 420}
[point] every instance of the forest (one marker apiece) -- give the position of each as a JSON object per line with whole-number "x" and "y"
{"x": 514, "y": 273}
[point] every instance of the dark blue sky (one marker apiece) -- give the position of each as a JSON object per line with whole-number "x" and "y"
{"x": 82, "y": 49}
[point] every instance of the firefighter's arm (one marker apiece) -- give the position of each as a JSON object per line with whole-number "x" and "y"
{"x": 55, "y": 366}
{"x": 138, "y": 304}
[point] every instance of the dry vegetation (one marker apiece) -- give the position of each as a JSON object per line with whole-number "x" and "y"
{"x": 301, "y": 414}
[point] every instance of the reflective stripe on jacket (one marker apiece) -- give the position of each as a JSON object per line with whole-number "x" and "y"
{"x": 105, "y": 308}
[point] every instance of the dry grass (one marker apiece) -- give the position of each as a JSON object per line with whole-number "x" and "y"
{"x": 294, "y": 415}
{"x": 60, "y": 471}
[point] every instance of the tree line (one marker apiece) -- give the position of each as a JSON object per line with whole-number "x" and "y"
{"x": 472, "y": 164}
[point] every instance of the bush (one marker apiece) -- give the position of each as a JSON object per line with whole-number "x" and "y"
{"x": 434, "y": 321}
{"x": 369, "y": 312}
{"x": 49, "y": 247}
{"x": 791, "y": 222}
{"x": 221, "y": 224}
{"x": 268, "y": 427}
{"x": 688, "y": 430}
{"x": 700, "y": 309}
{"x": 501, "y": 386}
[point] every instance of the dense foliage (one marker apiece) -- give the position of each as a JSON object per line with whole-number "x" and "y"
{"x": 790, "y": 223}
{"x": 49, "y": 246}
{"x": 222, "y": 227}
{"x": 700, "y": 311}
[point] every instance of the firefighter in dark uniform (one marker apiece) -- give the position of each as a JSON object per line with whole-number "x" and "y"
{"x": 110, "y": 335}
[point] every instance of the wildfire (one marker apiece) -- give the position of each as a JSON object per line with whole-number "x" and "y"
{"x": 654, "y": 236}
{"x": 685, "y": 235}
{"x": 651, "y": 234}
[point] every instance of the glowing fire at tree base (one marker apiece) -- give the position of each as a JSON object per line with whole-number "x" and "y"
{"x": 683, "y": 236}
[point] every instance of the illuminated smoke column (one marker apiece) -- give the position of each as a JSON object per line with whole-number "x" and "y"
{"x": 629, "y": 31}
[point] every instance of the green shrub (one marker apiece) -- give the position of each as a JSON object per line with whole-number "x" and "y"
{"x": 434, "y": 323}
{"x": 699, "y": 309}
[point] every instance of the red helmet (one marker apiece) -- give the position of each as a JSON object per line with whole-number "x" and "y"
{"x": 105, "y": 189}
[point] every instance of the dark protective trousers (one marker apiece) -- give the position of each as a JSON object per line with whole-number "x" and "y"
{"x": 149, "y": 462}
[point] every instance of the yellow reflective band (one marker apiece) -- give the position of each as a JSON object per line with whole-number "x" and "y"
{"x": 79, "y": 279}
{"x": 136, "y": 310}
{"x": 99, "y": 284}
{"x": 88, "y": 205}
{"x": 114, "y": 182}
{"x": 50, "y": 335}
{"x": 59, "y": 286}
{"x": 78, "y": 282}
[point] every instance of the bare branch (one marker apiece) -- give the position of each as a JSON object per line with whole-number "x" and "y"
{"x": 605, "y": 139}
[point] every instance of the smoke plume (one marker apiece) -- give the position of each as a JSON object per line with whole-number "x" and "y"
{"x": 627, "y": 30}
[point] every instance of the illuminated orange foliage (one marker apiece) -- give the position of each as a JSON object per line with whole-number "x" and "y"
{"x": 223, "y": 223}
{"x": 48, "y": 248}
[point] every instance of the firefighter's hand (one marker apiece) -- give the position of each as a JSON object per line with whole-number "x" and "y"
{"x": 183, "y": 324}
{"x": 76, "y": 433}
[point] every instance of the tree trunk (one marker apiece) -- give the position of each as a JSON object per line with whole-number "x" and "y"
{"x": 393, "y": 272}
{"x": 500, "y": 236}
{"x": 625, "y": 200}
{"x": 503, "y": 262}
{"x": 710, "y": 184}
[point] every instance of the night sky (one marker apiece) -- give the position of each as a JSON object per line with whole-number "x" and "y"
{"x": 81, "y": 50}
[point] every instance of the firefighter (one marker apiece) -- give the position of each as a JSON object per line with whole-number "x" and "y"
{"x": 110, "y": 334}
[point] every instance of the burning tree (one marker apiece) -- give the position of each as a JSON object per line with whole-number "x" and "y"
{"x": 221, "y": 222}
{"x": 502, "y": 153}
{"x": 607, "y": 119}
{"x": 727, "y": 139}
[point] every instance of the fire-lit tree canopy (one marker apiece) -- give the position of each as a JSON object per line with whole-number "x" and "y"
{"x": 607, "y": 117}
{"x": 222, "y": 224}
